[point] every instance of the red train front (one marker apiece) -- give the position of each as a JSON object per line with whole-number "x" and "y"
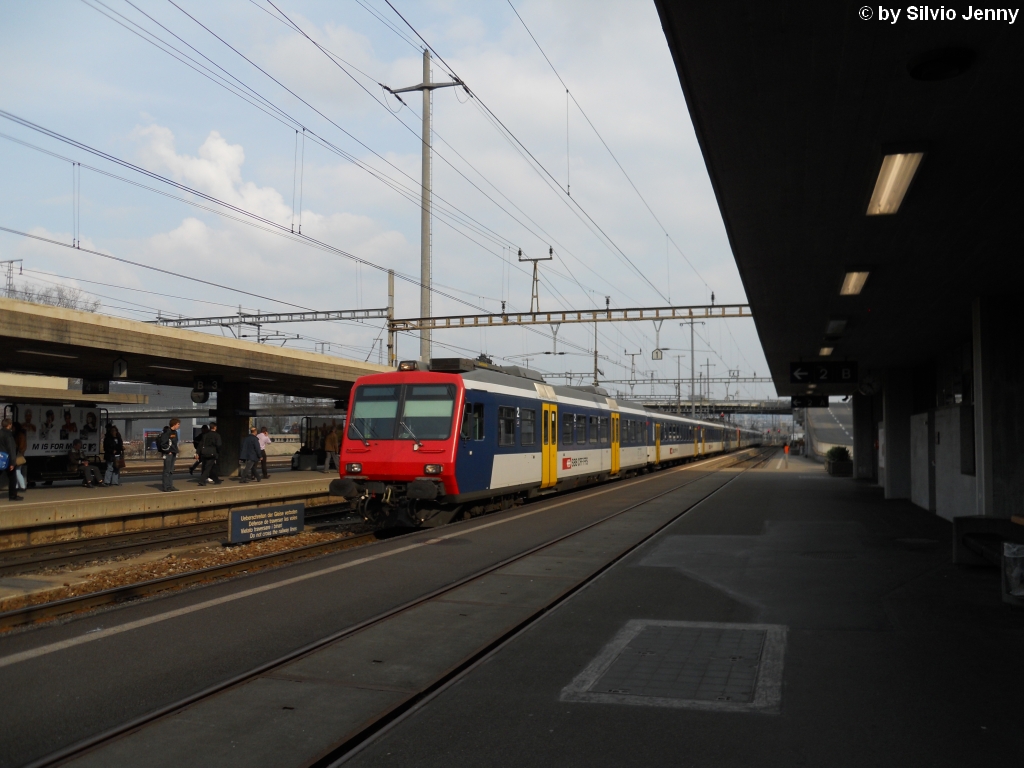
{"x": 401, "y": 441}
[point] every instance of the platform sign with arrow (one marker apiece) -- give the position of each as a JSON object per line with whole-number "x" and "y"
{"x": 844, "y": 372}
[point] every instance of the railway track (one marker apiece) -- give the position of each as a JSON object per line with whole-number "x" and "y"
{"x": 378, "y": 725}
{"x": 32, "y": 558}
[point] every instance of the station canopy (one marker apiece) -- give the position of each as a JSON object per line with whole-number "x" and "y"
{"x": 795, "y": 107}
{"x": 43, "y": 340}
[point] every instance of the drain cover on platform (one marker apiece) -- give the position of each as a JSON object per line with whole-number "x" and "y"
{"x": 696, "y": 665}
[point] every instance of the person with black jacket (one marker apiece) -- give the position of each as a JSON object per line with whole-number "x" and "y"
{"x": 250, "y": 454}
{"x": 167, "y": 444}
{"x": 9, "y": 446}
{"x": 197, "y": 443}
{"x": 113, "y": 454}
{"x": 209, "y": 452}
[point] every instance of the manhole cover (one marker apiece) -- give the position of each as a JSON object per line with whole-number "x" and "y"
{"x": 830, "y": 555}
{"x": 687, "y": 664}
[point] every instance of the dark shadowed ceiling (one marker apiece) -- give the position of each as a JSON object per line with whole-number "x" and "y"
{"x": 794, "y": 105}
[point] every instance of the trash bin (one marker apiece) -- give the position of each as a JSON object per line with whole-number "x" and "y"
{"x": 1013, "y": 573}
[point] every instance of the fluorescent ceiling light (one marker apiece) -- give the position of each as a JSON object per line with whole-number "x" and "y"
{"x": 825, "y": 351}
{"x": 260, "y": 378}
{"x": 835, "y": 327}
{"x": 325, "y": 386}
{"x": 170, "y": 368}
{"x": 853, "y": 283}
{"x": 894, "y": 178}
{"x": 46, "y": 354}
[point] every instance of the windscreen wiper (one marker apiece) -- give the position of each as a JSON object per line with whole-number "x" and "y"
{"x": 361, "y": 437}
{"x": 411, "y": 433}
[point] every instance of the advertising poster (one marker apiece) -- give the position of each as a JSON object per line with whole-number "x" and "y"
{"x": 51, "y": 429}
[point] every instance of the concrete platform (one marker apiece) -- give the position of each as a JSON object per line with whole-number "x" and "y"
{"x": 71, "y": 511}
{"x": 891, "y": 655}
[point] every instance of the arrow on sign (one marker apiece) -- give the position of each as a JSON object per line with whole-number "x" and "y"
{"x": 799, "y": 374}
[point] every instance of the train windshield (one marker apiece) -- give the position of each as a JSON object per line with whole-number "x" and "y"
{"x": 375, "y": 413}
{"x": 427, "y": 412}
{"x": 403, "y": 412}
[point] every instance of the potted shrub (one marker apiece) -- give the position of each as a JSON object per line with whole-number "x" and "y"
{"x": 838, "y": 462}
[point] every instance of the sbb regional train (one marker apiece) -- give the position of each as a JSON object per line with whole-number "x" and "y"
{"x": 465, "y": 437}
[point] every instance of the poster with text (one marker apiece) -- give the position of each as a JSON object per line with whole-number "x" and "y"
{"x": 51, "y": 430}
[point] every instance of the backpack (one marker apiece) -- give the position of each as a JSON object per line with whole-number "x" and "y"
{"x": 163, "y": 442}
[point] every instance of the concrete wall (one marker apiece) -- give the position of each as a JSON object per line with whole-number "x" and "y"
{"x": 919, "y": 464}
{"x": 954, "y": 492}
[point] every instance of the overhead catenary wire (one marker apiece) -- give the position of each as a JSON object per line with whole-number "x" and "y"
{"x": 604, "y": 143}
{"x": 293, "y": 25}
{"x": 609, "y": 242}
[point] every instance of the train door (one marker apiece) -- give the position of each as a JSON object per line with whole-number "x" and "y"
{"x": 703, "y": 442}
{"x": 549, "y": 446}
{"x": 657, "y": 443}
{"x": 615, "y": 443}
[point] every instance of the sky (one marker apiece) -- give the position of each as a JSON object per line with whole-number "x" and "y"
{"x": 306, "y": 135}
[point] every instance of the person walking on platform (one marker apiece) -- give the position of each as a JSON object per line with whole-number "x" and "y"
{"x": 167, "y": 444}
{"x": 209, "y": 452}
{"x": 265, "y": 440}
{"x": 250, "y": 457}
{"x": 332, "y": 446}
{"x": 113, "y": 454}
{"x": 785, "y": 454}
{"x": 9, "y": 457}
{"x": 79, "y": 464}
{"x": 197, "y": 443}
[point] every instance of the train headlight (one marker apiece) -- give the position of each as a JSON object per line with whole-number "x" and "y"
{"x": 354, "y": 469}
{"x": 432, "y": 469}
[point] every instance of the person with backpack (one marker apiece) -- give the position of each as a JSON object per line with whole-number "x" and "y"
{"x": 8, "y": 458}
{"x": 209, "y": 452}
{"x": 167, "y": 445}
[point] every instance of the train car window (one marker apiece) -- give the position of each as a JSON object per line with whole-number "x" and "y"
{"x": 506, "y": 425}
{"x": 544, "y": 428}
{"x": 427, "y": 414}
{"x": 604, "y": 429}
{"x": 593, "y": 429}
{"x": 581, "y": 428}
{"x": 473, "y": 422}
{"x": 374, "y": 413}
{"x": 567, "y": 428}
{"x": 527, "y": 426}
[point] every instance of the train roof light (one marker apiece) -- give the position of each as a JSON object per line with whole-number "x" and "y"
{"x": 408, "y": 365}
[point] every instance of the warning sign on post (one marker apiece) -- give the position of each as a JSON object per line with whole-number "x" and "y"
{"x": 265, "y": 522}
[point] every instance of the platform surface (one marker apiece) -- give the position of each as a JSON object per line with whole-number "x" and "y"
{"x": 892, "y": 656}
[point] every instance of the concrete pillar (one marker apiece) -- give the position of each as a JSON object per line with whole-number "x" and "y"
{"x": 897, "y": 406}
{"x": 232, "y": 427}
{"x": 864, "y": 437}
{"x": 998, "y": 414}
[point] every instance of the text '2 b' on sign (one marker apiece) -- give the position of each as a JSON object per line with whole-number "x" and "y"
{"x": 823, "y": 373}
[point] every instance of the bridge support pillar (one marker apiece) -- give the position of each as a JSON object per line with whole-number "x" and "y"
{"x": 232, "y": 427}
